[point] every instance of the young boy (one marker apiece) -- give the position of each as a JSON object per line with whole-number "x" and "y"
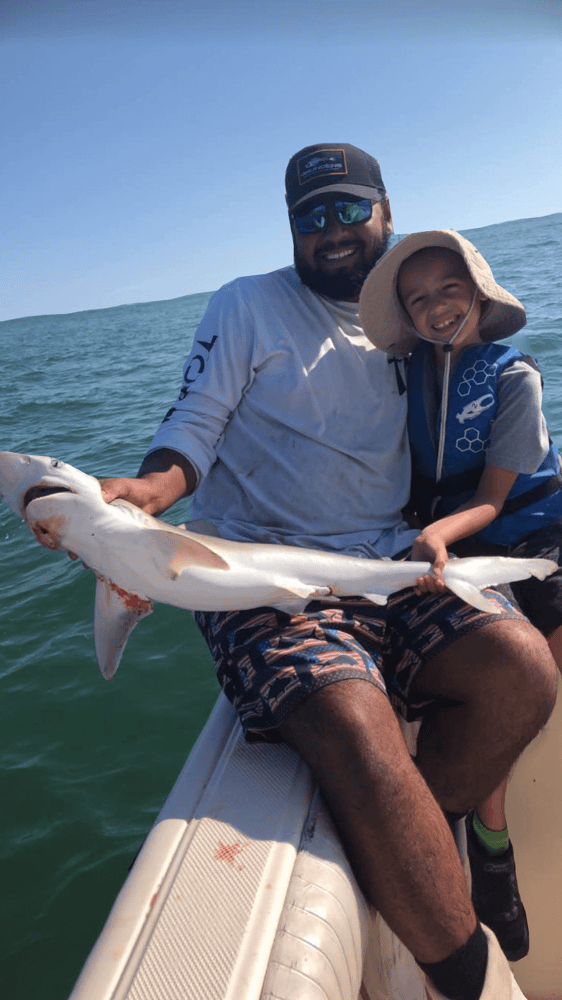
{"x": 485, "y": 474}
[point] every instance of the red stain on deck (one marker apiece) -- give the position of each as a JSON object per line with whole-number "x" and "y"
{"x": 153, "y": 899}
{"x": 229, "y": 852}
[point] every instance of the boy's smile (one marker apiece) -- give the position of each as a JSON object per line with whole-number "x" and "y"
{"x": 437, "y": 293}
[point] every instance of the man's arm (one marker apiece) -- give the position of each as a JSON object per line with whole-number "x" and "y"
{"x": 164, "y": 477}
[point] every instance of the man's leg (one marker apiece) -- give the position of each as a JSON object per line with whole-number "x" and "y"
{"x": 396, "y": 836}
{"x": 501, "y": 682}
{"x": 400, "y": 847}
{"x": 398, "y": 842}
{"x": 312, "y": 681}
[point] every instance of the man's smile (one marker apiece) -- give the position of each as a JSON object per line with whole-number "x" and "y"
{"x": 331, "y": 254}
{"x": 340, "y": 255}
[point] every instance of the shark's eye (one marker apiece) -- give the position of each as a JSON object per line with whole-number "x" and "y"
{"x": 55, "y": 463}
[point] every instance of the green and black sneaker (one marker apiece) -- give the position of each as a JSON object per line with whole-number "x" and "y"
{"x": 495, "y": 895}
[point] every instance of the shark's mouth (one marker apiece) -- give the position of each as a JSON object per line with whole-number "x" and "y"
{"x": 34, "y": 492}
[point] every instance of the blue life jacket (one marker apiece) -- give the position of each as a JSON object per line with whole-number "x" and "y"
{"x": 534, "y": 500}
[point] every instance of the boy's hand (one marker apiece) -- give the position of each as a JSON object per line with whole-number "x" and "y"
{"x": 428, "y": 548}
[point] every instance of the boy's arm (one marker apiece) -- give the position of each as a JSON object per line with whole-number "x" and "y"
{"x": 431, "y": 544}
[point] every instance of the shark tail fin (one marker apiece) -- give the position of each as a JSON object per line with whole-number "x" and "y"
{"x": 115, "y": 616}
{"x": 466, "y": 577}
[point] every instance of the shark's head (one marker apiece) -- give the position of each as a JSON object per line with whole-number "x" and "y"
{"x": 23, "y": 478}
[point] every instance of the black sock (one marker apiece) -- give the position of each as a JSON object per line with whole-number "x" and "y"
{"x": 461, "y": 976}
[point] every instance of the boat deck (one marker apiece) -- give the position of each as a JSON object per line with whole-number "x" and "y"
{"x": 242, "y": 890}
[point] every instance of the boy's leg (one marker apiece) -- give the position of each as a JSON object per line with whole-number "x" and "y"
{"x": 491, "y": 812}
{"x": 495, "y": 892}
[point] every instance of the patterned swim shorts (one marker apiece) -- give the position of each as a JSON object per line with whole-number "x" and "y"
{"x": 267, "y": 661}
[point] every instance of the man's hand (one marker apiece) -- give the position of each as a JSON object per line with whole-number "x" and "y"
{"x": 142, "y": 493}
{"x": 163, "y": 478}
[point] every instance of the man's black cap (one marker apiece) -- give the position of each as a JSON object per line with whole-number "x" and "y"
{"x": 332, "y": 167}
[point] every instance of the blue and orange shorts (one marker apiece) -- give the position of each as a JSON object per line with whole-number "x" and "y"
{"x": 268, "y": 661}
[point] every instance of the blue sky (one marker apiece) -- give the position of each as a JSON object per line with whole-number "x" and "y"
{"x": 145, "y": 143}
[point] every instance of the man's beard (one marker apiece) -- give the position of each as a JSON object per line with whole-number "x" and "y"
{"x": 347, "y": 283}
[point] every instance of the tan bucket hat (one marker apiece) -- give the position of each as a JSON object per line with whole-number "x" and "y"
{"x": 386, "y": 322}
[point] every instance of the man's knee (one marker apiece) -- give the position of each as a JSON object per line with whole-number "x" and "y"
{"x": 530, "y": 675}
{"x": 506, "y": 666}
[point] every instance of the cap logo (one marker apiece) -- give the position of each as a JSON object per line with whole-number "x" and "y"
{"x": 324, "y": 163}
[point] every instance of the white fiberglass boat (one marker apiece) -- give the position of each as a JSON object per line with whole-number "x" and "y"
{"x": 242, "y": 890}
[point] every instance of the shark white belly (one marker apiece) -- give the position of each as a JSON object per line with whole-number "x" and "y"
{"x": 138, "y": 559}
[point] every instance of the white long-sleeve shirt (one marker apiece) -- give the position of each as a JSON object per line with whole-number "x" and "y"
{"x": 294, "y": 422}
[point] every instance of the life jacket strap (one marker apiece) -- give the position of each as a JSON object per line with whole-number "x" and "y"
{"x": 539, "y": 492}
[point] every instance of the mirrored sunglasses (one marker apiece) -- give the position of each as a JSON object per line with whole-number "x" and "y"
{"x": 347, "y": 211}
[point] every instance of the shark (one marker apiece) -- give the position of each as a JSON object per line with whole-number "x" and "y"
{"x": 139, "y": 559}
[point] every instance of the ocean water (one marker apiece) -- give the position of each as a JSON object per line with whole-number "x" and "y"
{"x": 85, "y": 765}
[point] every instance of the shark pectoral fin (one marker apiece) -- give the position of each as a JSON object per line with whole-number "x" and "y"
{"x": 467, "y": 592}
{"x": 290, "y": 605}
{"x": 115, "y": 616}
{"x": 173, "y": 552}
{"x": 376, "y": 598}
{"x": 298, "y": 595}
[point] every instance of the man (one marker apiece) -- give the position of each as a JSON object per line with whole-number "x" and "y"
{"x": 290, "y": 428}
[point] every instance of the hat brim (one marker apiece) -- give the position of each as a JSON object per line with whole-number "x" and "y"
{"x": 360, "y": 190}
{"x": 387, "y": 324}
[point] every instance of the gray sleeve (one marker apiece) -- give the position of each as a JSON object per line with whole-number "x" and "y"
{"x": 519, "y": 436}
{"x": 216, "y": 375}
